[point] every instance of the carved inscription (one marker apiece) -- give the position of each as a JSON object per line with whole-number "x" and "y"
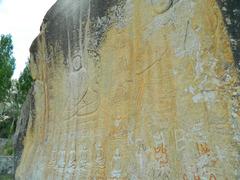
{"x": 161, "y": 168}
{"x": 77, "y": 64}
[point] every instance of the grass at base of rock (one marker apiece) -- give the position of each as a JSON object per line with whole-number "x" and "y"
{"x": 6, "y": 177}
{"x": 7, "y": 150}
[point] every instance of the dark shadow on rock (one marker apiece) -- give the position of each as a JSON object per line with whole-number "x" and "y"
{"x": 231, "y": 15}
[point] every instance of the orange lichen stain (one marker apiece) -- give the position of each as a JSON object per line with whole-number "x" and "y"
{"x": 196, "y": 177}
{"x": 185, "y": 177}
{"x": 212, "y": 177}
{"x": 203, "y": 148}
{"x": 161, "y": 154}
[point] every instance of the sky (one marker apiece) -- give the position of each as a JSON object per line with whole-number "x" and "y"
{"x": 22, "y": 19}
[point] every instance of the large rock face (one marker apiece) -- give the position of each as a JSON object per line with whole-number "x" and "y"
{"x": 133, "y": 89}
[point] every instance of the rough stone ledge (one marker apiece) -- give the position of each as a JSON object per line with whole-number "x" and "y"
{"x": 6, "y": 165}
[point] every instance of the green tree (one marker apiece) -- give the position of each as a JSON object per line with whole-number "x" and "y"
{"x": 14, "y": 101}
{"x": 24, "y": 84}
{"x": 12, "y": 92}
{"x": 16, "y": 96}
{"x": 7, "y": 65}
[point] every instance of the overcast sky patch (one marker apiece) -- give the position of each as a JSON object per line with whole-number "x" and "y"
{"x": 22, "y": 19}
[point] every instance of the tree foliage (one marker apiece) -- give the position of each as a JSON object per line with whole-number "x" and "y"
{"x": 14, "y": 100}
{"x": 12, "y": 92}
{"x": 7, "y": 65}
{"x": 24, "y": 84}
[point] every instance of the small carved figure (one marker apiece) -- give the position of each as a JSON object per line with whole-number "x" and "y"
{"x": 71, "y": 162}
{"x": 158, "y": 139}
{"x": 61, "y": 162}
{"x": 100, "y": 156}
{"x": 116, "y": 173}
{"x": 180, "y": 139}
{"x": 83, "y": 163}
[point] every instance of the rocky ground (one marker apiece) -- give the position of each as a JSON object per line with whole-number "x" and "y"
{"x": 6, "y": 159}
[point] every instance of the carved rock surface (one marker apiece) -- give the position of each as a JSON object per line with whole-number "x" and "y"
{"x": 133, "y": 89}
{"x": 27, "y": 112}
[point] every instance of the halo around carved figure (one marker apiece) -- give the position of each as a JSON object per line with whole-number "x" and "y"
{"x": 161, "y": 6}
{"x": 77, "y": 64}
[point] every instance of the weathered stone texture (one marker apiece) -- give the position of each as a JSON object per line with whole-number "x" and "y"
{"x": 135, "y": 89}
{"x": 27, "y": 113}
{"x": 231, "y": 13}
{"x": 6, "y": 165}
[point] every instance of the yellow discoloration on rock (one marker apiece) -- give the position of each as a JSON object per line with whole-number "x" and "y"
{"x": 158, "y": 103}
